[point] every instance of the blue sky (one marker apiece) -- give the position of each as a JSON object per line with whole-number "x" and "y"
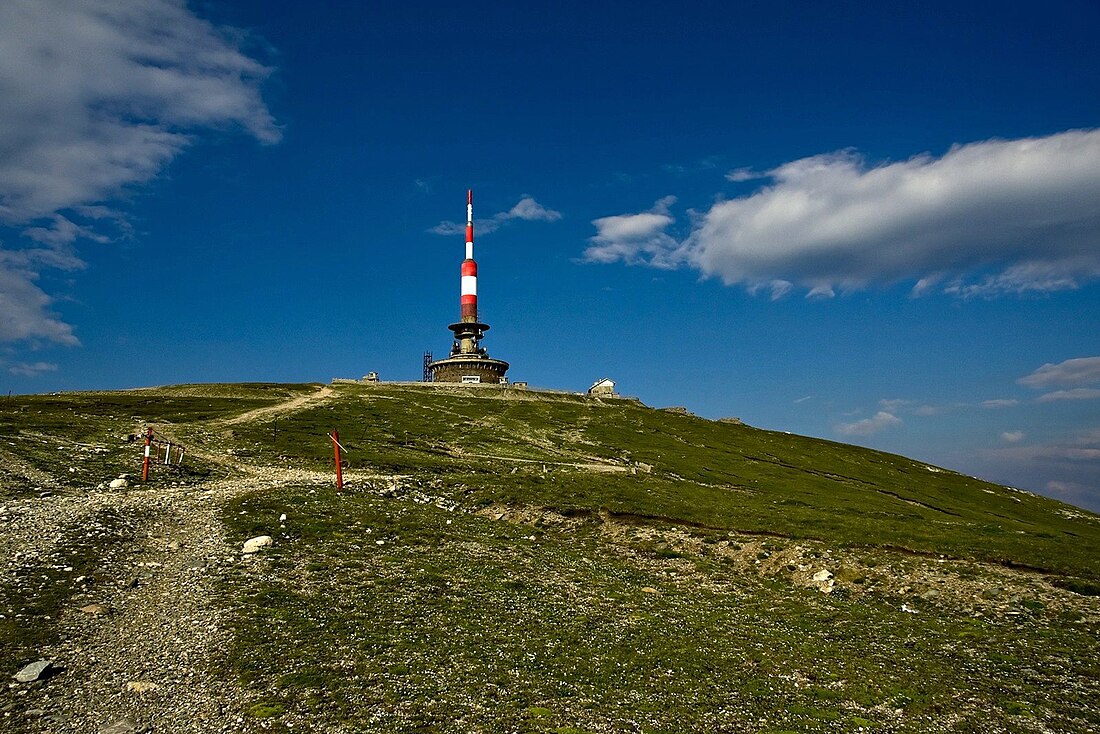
{"x": 869, "y": 224}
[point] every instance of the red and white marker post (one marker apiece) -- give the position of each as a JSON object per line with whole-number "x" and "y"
{"x": 148, "y": 446}
{"x": 335, "y": 436}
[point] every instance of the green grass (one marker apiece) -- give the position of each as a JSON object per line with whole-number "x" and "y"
{"x": 687, "y": 470}
{"x": 87, "y": 432}
{"x": 487, "y": 630}
{"x": 668, "y": 595}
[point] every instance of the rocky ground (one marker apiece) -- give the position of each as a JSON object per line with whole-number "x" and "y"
{"x": 141, "y": 639}
{"x": 136, "y": 641}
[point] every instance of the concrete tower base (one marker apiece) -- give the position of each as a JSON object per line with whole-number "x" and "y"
{"x": 469, "y": 368}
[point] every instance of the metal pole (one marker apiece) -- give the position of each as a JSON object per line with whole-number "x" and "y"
{"x": 167, "y": 453}
{"x": 145, "y": 464}
{"x": 335, "y": 436}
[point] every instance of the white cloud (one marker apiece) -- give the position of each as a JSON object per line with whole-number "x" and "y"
{"x": 1070, "y": 491}
{"x": 62, "y": 231}
{"x": 635, "y": 238}
{"x": 1012, "y": 436}
{"x": 1077, "y": 393}
{"x": 738, "y": 175}
{"x": 31, "y": 369}
{"x": 99, "y": 95}
{"x": 868, "y": 426}
{"x": 779, "y": 288}
{"x": 25, "y": 314}
{"x": 985, "y": 219}
{"x": 530, "y": 210}
{"x": 526, "y": 209}
{"x": 1085, "y": 447}
{"x": 1066, "y": 466}
{"x": 999, "y": 403}
{"x": 1072, "y": 372}
{"x": 894, "y": 405}
{"x": 1051, "y": 452}
{"x": 821, "y": 291}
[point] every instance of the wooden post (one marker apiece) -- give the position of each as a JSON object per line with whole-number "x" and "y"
{"x": 145, "y": 464}
{"x": 335, "y": 436}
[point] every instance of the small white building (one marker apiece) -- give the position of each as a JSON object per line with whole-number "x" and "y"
{"x": 604, "y": 386}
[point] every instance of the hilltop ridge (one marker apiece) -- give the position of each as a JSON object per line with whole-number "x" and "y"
{"x": 518, "y": 560}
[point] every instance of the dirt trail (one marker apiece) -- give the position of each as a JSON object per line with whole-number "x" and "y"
{"x": 598, "y": 467}
{"x": 152, "y": 655}
{"x": 271, "y": 411}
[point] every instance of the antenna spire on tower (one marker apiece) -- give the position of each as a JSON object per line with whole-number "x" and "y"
{"x": 469, "y": 267}
{"x": 469, "y": 362}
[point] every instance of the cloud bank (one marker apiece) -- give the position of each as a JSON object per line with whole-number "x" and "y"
{"x": 31, "y": 369}
{"x": 985, "y": 219}
{"x": 99, "y": 96}
{"x": 1072, "y": 376}
{"x": 880, "y": 421}
{"x": 1070, "y": 373}
{"x": 1083, "y": 448}
{"x": 526, "y": 209}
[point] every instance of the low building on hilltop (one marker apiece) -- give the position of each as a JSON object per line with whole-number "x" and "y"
{"x": 603, "y": 388}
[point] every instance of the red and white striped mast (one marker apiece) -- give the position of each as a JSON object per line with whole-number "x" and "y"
{"x": 469, "y": 362}
{"x": 469, "y": 266}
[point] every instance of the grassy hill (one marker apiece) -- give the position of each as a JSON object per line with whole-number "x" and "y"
{"x": 528, "y": 561}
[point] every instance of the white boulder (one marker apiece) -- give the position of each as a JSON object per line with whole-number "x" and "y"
{"x": 253, "y": 545}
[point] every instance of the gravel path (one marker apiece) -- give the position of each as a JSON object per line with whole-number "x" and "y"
{"x": 150, "y": 655}
{"x": 142, "y": 643}
{"x": 147, "y": 655}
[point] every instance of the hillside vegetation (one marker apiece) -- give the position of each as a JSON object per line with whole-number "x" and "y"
{"x": 505, "y": 560}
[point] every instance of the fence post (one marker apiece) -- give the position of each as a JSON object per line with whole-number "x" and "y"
{"x": 145, "y": 463}
{"x": 335, "y": 436}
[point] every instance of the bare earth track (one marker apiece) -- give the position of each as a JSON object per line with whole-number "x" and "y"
{"x": 148, "y": 654}
{"x": 273, "y": 411}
